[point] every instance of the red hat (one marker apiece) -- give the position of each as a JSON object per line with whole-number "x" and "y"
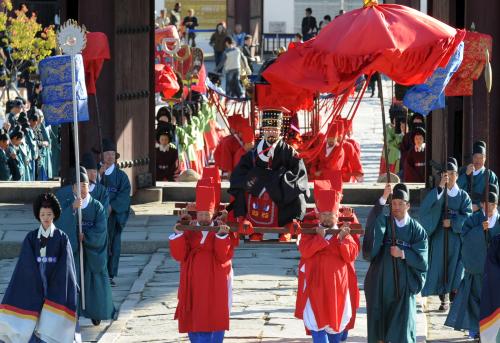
{"x": 321, "y": 185}
{"x": 327, "y": 200}
{"x": 211, "y": 172}
{"x": 333, "y": 130}
{"x": 247, "y": 134}
{"x": 211, "y": 183}
{"x": 341, "y": 127}
{"x": 205, "y": 198}
{"x": 236, "y": 121}
{"x": 335, "y": 178}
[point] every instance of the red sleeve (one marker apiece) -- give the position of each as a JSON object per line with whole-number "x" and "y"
{"x": 223, "y": 249}
{"x": 349, "y": 249}
{"x": 310, "y": 244}
{"x": 179, "y": 247}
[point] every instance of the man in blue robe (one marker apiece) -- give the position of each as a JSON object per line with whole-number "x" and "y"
{"x": 98, "y": 299}
{"x": 5, "y": 174}
{"x": 473, "y": 177}
{"x": 118, "y": 186}
{"x": 396, "y": 246}
{"x": 97, "y": 190}
{"x": 442, "y": 216}
{"x": 477, "y": 233}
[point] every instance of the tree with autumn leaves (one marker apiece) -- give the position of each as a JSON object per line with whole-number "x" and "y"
{"x": 23, "y": 43}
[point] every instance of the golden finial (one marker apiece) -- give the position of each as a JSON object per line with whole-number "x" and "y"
{"x": 370, "y": 3}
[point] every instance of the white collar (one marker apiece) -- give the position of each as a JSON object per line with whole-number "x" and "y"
{"x": 476, "y": 172}
{"x": 46, "y": 233}
{"x": 91, "y": 187}
{"x": 110, "y": 170}
{"x": 86, "y": 201}
{"x": 270, "y": 152}
{"x": 329, "y": 150}
{"x": 422, "y": 148}
{"x": 491, "y": 220}
{"x": 204, "y": 234}
{"x": 164, "y": 148}
{"x": 329, "y": 236}
{"x": 405, "y": 221}
{"x": 453, "y": 192}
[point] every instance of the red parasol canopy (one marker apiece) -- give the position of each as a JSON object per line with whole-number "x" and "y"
{"x": 95, "y": 53}
{"x": 398, "y": 41}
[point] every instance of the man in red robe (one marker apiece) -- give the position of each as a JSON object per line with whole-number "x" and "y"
{"x": 323, "y": 297}
{"x": 247, "y": 135}
{"x": 331, "y": 157}
{"x": 352, "y": 169}
{"x": 205, "y": 292}
{"x": 228, "y": 146}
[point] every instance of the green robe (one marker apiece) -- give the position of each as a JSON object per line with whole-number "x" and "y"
{"x": 118, "y": 187}
{"x": 25, "y": 157}
{"x": 391, "y": 319}
{"x": 464, "y": 311}
{"x": 5, "y": 174}
{"x": 46, "y": 152}
{"x": 478, "y": 184}
{"x": 98, "y": 297}
{"x": 393, "y": 146}
{"x": 431, "y": 218}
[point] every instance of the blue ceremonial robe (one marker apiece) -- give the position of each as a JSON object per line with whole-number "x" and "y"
{"x": 464, "y": 311}
{"x": 30, "y": 139}
{"x": 100, "y": 194}
{"x": 490, "y": 297}
{"x": 99, "y": 301}
{"x": 431, "y": 218}
{"x": 45, "y": 155}
{"x": 5, "y": 174}
{"x": 16, "y": 164}
{"x": 118, "y": 187}
{"x": 478, "y": 184}
{"x": 391, "y": 319}
{"x": 55, "y": 144}
{"x": 42, "y": 293}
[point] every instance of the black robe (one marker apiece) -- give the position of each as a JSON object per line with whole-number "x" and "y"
{"x": 285, "y": 182}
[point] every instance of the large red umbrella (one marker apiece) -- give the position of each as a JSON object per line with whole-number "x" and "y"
{"x": 398, "y": 41}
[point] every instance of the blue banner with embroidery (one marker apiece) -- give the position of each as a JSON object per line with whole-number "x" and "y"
{"x": 57, "y": 92}
{"x": 430, "y": 96}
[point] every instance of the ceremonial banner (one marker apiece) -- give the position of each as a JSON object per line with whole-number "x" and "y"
{"x": 55, "y": 75}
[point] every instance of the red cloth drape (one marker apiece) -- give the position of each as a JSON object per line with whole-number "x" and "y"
{"x": 95, "y": 53}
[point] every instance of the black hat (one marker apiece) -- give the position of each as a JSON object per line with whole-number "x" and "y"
{"x": 400, "y": 191}
{"x": 451, "y": 164}
{"x": 4, "y": 136}
{"x": 17, "y": 103}
{"x": 492, "y": 198}
{"x": 22, "y": 100}
{"x": 83, "y": 176}
{"x": 479, "y": 147}
{"x": 397, "y": 111}
{"x": 46, "y": 200}
{"x": 273, "y": 117}
{"x": 164, "y": 111}
{"x": 33, "y": 115}
{"x": 88, "y": 161}
{"x": 109, "y": 145}
{"x": 17, "y": 132}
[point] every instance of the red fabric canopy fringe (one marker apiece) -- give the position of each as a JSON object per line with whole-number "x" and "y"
{"x": 95, "y": 53}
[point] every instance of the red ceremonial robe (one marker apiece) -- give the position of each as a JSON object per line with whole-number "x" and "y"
{"x": 352, "y": 162}
{"x": 237, "y": 156}
{"x": 205, "y": 280}
{"x": 324, "y": 278}
{"x": 225, "y": 152}
{"x": 333, "y": 161}
{"x": 353, "y": 282}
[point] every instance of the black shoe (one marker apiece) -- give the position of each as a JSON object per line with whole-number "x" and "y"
{"x": 96, "y": 322}
{"x": 452, "y": 296}
{"x": 444, "y": 307}
{"x": 112, "y": 282}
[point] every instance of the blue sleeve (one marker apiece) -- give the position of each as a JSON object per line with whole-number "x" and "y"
{"x": 465, "y": 211}
{"x": 430, "y": 211}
